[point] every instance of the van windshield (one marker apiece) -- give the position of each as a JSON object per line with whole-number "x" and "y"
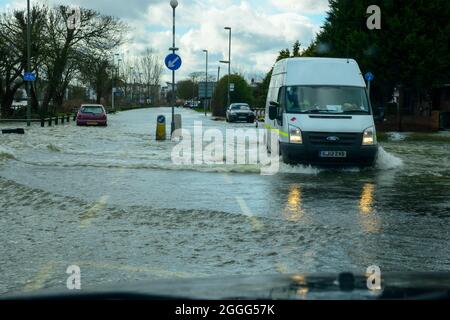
{"x": 326, "y": 99}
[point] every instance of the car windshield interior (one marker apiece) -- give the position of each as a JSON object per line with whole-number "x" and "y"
{"x": 92, "y": 109}
{"x": 237, "y": 150}
{"x": 326, "y": 99}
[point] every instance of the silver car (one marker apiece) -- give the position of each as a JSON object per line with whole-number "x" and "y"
{"x": 240, "y": 112}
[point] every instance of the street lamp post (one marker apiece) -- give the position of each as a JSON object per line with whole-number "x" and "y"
{"x": 193, "y": 88}
{"x": 174, "y": 5}
{"x": 28, "y": 64}
{"x": 112, "y": 81}
{"x": 229, "y": 64}
{"x": 206, "y": 81}
{"x": 118, "y": 71}
{"x": 218, "y": 74}
{"x": 131, "y": 82}
{"x": 140, "y": 87}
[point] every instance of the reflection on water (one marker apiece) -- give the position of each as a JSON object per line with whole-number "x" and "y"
{"x": 366, "y": 201}
{"x": 293, "y": 210}
{"x": 302, "y": 293}
{"x": 367, "y": 215}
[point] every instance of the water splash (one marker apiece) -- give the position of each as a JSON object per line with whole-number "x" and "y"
{"x": 53, "y": 148}
{"x": 386, "y": 160}
{"x": 396, "y": 136}
{"x": 301, "y": 169}
{"x": 6, "y": 153}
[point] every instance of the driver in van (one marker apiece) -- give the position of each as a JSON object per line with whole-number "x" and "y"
{"x": 295, "y": 102}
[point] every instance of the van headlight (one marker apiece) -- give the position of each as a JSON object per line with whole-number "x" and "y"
{"x": 369, "y": 137}
{"x": 295, "y": 134}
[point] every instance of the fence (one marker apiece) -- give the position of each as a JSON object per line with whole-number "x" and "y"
{"x": 410, "y": 123}
{"x": 49, "y": 121}
{"x": 260, "y": 113}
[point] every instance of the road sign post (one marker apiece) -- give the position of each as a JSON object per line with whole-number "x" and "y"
{"x": 173, "y": 62}
{"x": 369, "y": 78}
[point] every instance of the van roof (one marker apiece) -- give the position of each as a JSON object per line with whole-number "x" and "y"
{"x": 320, "y": 71}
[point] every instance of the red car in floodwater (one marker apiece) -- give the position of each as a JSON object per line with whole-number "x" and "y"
{"x": 92, "y": 115}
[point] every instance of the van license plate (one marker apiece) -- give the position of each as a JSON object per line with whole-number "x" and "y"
{"x": 333, "y": 154}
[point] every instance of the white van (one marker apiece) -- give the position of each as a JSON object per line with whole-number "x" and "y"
{"x": 321, "y": 110}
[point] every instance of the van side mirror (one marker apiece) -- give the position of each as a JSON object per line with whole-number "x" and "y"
{"x": 273, "y": 110}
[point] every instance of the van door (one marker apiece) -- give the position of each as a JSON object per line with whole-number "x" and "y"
{"x": 281, "y": 101}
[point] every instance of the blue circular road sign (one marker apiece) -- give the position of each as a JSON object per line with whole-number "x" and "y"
{"x": 161, "y": 119}
{"x": 173, "y": 61}
{"x": 369, "y": 76}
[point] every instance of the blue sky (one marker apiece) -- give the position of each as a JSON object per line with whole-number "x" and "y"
{"x": 260, "y": 28}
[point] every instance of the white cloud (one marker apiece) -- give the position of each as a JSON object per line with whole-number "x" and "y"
{"x": 301, "y": 6}
{"x": 259, "y": 28}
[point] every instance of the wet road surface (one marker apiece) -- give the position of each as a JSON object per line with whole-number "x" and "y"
{"x": 111, "y": 201}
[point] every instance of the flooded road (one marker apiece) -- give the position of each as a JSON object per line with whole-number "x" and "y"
{"x": 112, "y": 201}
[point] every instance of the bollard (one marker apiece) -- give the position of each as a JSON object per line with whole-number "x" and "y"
{"x": 161, "y": 128}
{"x": 177, "y": 125}
{"x": 56, "y": 121}
{"x": 68, "y": 118}
{"x": 62, "y": 120}
{"x": 42, "y": 122}
{"x": 49, "y": 122}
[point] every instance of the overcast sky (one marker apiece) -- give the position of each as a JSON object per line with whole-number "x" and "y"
{"x": 260, "y": 28}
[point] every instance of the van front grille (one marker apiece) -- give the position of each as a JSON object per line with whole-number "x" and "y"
{"x": 330, "y": 138}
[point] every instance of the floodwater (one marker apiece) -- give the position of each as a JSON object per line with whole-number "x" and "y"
{"x": 112, "y": 201}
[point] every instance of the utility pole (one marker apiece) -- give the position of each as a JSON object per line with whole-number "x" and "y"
{"x": 218, "y": 74}
{"x": 131, "y": 82}
{"x": 113, "y": 74}
{"x": 206, "y": 82}
{"x": 193, "y": 88}
{"x": 229, "y": 65}
{"x": 173, "y": 4}
{"x": 28, "y": 64}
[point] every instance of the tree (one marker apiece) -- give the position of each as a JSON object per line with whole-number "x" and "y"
{"x": 96, "y": 72}
{"x": 13, "y": 54}
{"x": 152, "y": 68}
{"x": 186, "y": 88}
{"x": 296, "y": 49}
{"x": 93, "y": 34}
{"x": 242, "y": 93}
{"x": 285, "y": 53}
{"x": 260, "y": 93}
{"x": 411, "y": 50}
